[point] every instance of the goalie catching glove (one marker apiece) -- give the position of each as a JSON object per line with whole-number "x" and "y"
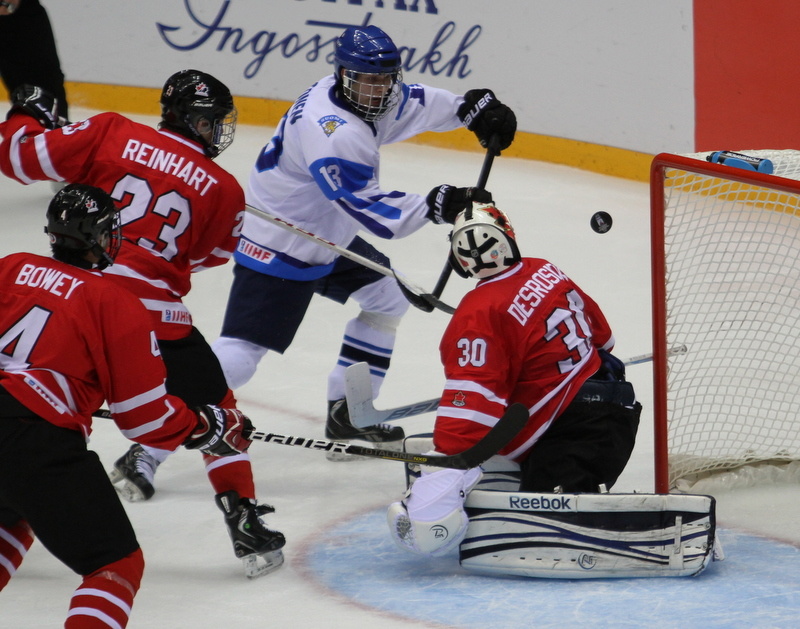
{"x": 490, "y": 120}
{"x": 220, "y": 431}
{"x": 37, "y": 103}
{"x": 445, "y": 202}
{"x": 431, "y": 520}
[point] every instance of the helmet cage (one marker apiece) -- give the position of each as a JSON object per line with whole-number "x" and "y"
{"x": 82, "y": 219}
{"x": 199, "y": 107}
{"x": 482, "y": 243}
{"x": 371, "y": 95}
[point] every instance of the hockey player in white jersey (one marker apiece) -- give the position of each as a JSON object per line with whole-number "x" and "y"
{"x": 320, "y": 172}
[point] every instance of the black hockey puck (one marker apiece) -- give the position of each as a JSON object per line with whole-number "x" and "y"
{"x": 601, "y": 222}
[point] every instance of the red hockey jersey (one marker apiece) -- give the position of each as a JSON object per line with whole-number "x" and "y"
{"x": 180, "y": 211}
{"x": 528, "y": 335}
{"x": 70, "y": 339}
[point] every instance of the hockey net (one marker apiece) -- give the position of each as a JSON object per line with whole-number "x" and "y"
{"x": 726, "y": 284}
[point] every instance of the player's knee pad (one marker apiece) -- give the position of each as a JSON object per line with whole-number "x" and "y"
{"x": 238, "y": 359}
{"x": 383, "y": 297}
{"x": 384, "y": 323}
{"x": 431, "y": 520}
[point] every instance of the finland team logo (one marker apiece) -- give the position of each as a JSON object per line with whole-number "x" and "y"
{"x": 330, "y": 123}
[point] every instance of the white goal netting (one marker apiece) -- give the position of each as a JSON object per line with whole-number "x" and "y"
{"x": 732, "y": 273}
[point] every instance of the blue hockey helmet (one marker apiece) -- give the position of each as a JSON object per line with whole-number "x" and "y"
{"x": 368, "y": 67}
{"x": 367, "y": 50}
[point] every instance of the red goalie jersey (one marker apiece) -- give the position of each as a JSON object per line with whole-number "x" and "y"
{"x": 180, "y": 211}
{"x": 527, "y": 335}
{"x": 56, "y": 358}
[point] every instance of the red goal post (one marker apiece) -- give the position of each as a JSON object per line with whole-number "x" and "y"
{"x": 725, "y": 247}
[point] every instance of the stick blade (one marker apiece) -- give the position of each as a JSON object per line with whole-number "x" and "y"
{"x": 424, "y": 301}
{"x": 358, "y": 393}
{"x": 361, "y": 404}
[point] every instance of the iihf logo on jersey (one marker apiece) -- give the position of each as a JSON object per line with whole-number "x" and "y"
{"x": 201, "y": 90}
{"x": 330, "y": 123}
{"x": 459, "y": 399}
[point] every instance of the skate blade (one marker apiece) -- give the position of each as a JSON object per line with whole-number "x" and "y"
{"x": 344, "y": 457}
{"x": 126, "y": 489}
{"x": 270, "y": 562}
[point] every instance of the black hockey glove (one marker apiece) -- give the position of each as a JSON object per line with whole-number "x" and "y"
{"x": 37, "y": 103}
{"x": 489, "y": 119}
{"x": 445, "y": 202}
{"x": 220, "y": 431}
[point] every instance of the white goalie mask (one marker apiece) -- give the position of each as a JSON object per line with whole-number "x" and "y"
{"x": 482, "y": 243}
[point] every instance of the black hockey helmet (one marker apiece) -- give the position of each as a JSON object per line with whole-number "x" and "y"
{"x": 199, "y": 107}
{"x": 83, "y": 219}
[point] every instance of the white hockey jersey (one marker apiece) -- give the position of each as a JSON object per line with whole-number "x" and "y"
{"x": 320, "y": 172}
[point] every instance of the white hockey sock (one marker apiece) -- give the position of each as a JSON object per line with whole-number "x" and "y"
{"x": 369, "y": 337}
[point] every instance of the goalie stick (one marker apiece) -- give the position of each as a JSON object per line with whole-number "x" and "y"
{"x": 499, "y": 435}
{"x": 415, "y": 295}
{"x": 361, "y": 404}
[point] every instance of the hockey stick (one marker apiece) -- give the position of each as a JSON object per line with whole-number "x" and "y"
{"x": 414, "y": 294}
{"x": 675, "y": 350}
{"x": 500, "y": 434}
{"x": 360, "y": 403}
{"x": 482, "y": 179}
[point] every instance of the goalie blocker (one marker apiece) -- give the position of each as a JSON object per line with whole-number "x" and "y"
{"x": 580, "y": 536}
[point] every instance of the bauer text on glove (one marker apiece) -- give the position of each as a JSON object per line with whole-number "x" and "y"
{"x": 446, "y": 201}
{"x": 220, "y": 431}
{"x": 488, "y": 118}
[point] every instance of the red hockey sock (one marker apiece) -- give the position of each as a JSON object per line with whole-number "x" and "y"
{"x": 14, "y": 544}
{"x": 105, "y": 597}
{"x": 231, "y": 472}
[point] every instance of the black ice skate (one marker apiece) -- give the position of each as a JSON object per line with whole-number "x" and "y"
{"x": 258, "y": 547}
{"x": 339, "y": 428}
{"x": 133, "y": 474}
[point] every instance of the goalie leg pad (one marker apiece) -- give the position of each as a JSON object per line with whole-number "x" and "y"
{"x": 574, "y": 536}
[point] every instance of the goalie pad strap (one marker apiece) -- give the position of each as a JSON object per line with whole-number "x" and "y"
{"x": 575, "y": 536}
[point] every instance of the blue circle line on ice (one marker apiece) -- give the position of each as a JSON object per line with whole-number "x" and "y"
{"x": 757, "y": 585}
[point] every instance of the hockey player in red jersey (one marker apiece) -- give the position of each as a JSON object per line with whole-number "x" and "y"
{"x": 180, "y": 213}
{"x": 526, "y": 333}
{"x": 70, "y": 339}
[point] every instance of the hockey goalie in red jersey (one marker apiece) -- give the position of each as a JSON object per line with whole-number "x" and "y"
{"x": 180, "y": 213}
{"x": 526, "y": 333}
{"x": 71, "y": 339}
